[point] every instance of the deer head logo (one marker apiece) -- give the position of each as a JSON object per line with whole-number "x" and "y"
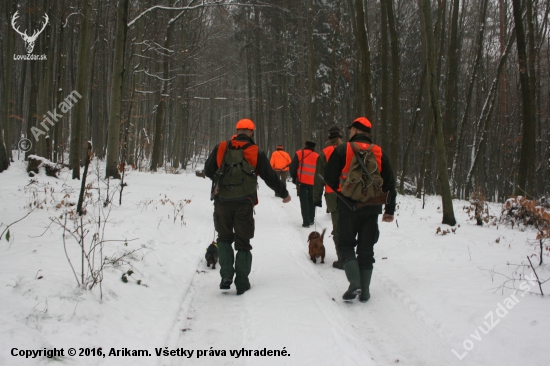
{"x": 29, "y": 40}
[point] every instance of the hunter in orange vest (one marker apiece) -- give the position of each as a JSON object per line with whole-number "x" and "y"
{"x": 334, "y": 139}
{"x": 233, "y": 218}
{"x": 358, "y": 226}
{"x": 280, "y": 162}
{"x": 302, "y": 172}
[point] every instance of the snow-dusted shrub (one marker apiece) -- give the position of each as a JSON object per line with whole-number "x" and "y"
{"x": 479, "y": 209}
{"x": 522, "y": 212}
{"x": 519, "y": 211}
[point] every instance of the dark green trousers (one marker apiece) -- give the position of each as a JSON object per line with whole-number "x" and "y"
{"x": 234, "y": 222}
{"x": 306, "y": 203}
{"x": 282, "y": 176}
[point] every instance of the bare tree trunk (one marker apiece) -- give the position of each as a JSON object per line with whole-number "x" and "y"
{"x": 439, "y": 36}
{"x": 58, "y": 142}
{"x": 384, "y": 105}
{"x": 531, "y": 60}
{"x": 312, "y": 103}
{"x": 156, "y": 158}
{"x": 452, "y": 75}
{"x": 473, "y": 78}
{"x": 79, "y": 115}
{"x": 286, "y": 120}
{"x": 502, "y": 40}
{"x": 527, "y": 161}
{"x": 365, "y": 57}
{"x": 485, "y": 118}
{"x": 302, "y": 84}
{"x": 260, "y": 127}
{"x": 425, "y": 153}
{"x": 448, "y": 212}
{"x": 411, "y": 135}
{"x": 249, "y": 74}
{"x": 33, "y": 108}
{"x": 355, "y": 100}
{"x": 6, "y": 138}
{"x": 117, "y": 77}
{"x": 395, "y": 98}
{"x": 335, "y": 36}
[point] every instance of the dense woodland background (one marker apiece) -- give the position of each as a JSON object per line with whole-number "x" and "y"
{"x": 458, "y": 90}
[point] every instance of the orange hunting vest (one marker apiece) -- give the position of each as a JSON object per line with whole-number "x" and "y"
{"x": 377, "y": 150}
{"x": 280, "y": 160}
{"x": 306, "y": 166}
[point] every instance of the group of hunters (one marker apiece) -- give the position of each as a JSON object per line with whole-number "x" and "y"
{"x": 357, "y": 179}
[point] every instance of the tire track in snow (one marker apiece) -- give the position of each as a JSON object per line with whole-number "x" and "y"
{"x": 181, "y": 316}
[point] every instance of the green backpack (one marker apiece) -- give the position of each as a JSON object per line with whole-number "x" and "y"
{"x": 235, "y": 179}
{"x": 364, "y": 181}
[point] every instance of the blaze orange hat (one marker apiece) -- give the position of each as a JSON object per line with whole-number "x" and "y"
{"x": 245, "y": 124}
{"x": 362, "y": 124}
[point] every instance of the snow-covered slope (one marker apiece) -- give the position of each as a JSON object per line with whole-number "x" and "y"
{"x": 431, "y": 294}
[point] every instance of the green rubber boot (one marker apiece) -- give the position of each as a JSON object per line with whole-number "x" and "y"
{"x": 243, "y": 265}
{"x": 366, "y": 275}
{"x": 226, "y": 258}
{"x": 351, "y": 267}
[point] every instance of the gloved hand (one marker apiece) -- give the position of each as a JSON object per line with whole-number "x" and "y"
{"x": 318, "y": 203}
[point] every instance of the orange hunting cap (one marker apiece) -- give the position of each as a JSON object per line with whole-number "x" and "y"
{"x": 362, "y": 124}
{"x": 245, "y": 124}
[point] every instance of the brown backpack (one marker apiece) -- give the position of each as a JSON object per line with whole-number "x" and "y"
{"x": 364, "y": 181}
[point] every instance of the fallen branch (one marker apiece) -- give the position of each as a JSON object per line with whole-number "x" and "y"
{"x": 535, "y": 272}
{"x": 21, "y": 219}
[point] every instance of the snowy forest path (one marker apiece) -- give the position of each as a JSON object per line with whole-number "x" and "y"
{"x": 296, "y": 305}
{"x": 287, "y": 308}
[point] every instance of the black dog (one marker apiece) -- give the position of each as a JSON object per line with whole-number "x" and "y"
{"x": 211, "y": 255}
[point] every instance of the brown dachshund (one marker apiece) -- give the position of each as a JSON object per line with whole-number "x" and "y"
{"x": 316, "y": 247}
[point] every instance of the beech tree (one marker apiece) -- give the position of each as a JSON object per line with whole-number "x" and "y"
{"x": 161, "y": 96}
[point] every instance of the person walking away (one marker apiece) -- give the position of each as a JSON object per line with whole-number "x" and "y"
{"x": 233, "y": 167}
{"x": 280, "y": 161}
{"x": 334, "y": 139}
{"x": 302, "y": 172}
{"x": 357, "y": 220}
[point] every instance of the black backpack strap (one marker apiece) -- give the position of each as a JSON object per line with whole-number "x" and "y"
{"x": 227, "y": 147}
{"x": 244, "y": 147}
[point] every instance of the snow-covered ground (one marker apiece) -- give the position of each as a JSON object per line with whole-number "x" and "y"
{"x": 431, "y": 294}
